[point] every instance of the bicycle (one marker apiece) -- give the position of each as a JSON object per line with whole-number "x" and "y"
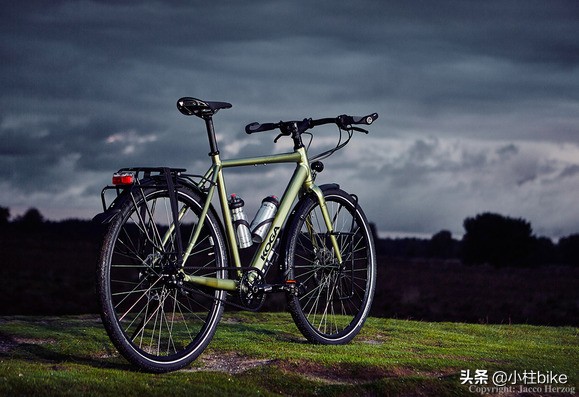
{"x": 164, "y": 278}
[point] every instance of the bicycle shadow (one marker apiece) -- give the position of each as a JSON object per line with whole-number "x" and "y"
{"x": 44, "y": 350}
{"x": 54, "y": 340}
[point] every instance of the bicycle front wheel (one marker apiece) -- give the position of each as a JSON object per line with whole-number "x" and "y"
{"x": 332, "y": 299}
{"x": 153, "y": 319}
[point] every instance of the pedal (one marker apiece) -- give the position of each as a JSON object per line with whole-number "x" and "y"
{"x": 264, "y": 288}
{"x": 291, "y": 286}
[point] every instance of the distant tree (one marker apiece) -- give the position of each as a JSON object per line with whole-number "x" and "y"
{"x": 32, "y": 217}
{"x": 568, "y": 248}
{"x": 4, "y": 216}
{"x": 545, "y": 251}
{"x": 442, "y": 245}
{"x": 497, "y": 240}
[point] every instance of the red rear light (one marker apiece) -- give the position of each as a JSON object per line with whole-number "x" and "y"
{"x": 123, "y": 179}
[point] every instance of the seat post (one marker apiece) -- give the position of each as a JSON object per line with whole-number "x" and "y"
{"x": 211, "y": 135}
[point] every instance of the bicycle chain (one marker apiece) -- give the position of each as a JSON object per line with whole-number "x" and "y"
{"x": 225, "y": 301}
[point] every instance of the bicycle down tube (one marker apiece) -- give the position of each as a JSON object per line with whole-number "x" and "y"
{"x": 300, "y": 178}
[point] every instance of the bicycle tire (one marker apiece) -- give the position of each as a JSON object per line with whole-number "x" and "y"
{"x": 332, "y": 300}
{"x": 155, "y": 323}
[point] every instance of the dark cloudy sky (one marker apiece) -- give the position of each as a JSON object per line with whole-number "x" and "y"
{"x": 478, "y": 101}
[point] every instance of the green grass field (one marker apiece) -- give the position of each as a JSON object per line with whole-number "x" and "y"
{"x": 263, "y": 354}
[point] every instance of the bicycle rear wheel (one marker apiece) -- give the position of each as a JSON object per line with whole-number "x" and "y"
{"x": 155, "y": 321}
{"x": 333, "y": 299}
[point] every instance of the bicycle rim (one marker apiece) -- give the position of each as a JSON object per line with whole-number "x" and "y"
{"x": 333, "y": 299}
{"x": 154, "y": 321}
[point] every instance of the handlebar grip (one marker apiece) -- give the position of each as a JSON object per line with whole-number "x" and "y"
{"x": 367, "y": 120}
{"x": 254, "y": 127}
{"x": 345, "y": 120}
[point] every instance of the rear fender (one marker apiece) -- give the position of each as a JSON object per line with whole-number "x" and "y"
{"x": 127, "y": 194}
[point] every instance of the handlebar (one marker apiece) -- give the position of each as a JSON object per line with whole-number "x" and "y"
{"x": 344, "y": 122}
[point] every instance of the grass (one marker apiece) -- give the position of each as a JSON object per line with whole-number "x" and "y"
{"x": 263, "y": 354}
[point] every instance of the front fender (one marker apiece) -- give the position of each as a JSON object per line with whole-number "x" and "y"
{"x": 312, "y": 195}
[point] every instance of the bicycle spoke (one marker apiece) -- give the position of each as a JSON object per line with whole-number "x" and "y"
{"x": 161, "y": 321}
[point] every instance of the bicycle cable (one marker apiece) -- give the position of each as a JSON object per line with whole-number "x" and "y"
{"x": 338, "y": 146}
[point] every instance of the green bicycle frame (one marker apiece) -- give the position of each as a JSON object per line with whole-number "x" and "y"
{"x": 301, "y": 180}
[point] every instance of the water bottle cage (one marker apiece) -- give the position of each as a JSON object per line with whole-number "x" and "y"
{"x": 240, "y": 222}
{"x": 265, "y": 222}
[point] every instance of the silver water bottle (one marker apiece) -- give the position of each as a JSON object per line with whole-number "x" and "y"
{"x": 263, "y": 219}
{"x": 240, "y": 223}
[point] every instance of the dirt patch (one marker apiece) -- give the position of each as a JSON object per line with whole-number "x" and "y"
{"x": 231, "y": 363}
{"x": 341, "y": 374}
{"x": 6, "y": 344}
{"x": 337, "y": 374}
{"x": 9, "y": 343}
{"x": 348, "y": 374}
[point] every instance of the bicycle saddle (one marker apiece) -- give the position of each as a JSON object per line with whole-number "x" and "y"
{"x": 196, "y": 107}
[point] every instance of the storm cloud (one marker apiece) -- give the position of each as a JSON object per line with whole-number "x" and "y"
{"x": 478, "y": 101}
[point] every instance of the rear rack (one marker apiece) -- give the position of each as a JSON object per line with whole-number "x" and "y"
{"x": 141, "y": 174}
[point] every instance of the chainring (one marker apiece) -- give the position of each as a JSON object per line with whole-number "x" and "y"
{"x": 251, "y": 297}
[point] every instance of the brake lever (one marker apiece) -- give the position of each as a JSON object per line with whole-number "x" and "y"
{"x": 277, "y": 137}
{"x": 359, "y": 129}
